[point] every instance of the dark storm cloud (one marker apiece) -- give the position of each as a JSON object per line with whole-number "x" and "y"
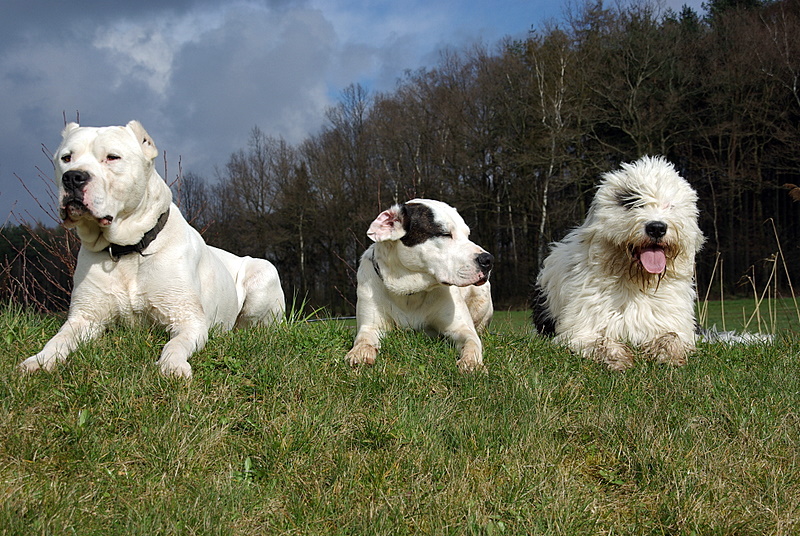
{"x": 200, "y": 74}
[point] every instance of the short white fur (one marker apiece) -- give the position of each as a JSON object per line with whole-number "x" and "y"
{"x": 178, "y": 281}
{"x": 429, "y": 286}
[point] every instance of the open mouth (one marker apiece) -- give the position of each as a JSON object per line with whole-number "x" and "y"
{"x": 652, "y": 257}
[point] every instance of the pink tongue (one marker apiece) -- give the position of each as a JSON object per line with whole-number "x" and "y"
{"x": 653, "y": 260}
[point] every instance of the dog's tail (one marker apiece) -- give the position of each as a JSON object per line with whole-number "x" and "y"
{"x": 540, "y": 314}
{"x": 713, "y": 335}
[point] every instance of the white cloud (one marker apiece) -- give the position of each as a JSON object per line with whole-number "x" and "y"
{"x": 200, "y": 74}
{"x": 141, "y": 52}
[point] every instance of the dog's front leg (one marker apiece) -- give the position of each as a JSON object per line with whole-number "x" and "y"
{"x": 365, "y": 346}
{"x": 597, "y": 347}
{"x": 372, "y": 323}
{"x": 459, "y": 328}
{"x": 668, "y": 349}
{"x": 614, "y": 354}
{"x": 470, "y": 351}
{"x": 77, "y": 329}
{"x": 469, "y": 345}
{"x": 470, "y": 354}
{"x": 185, "y": 339}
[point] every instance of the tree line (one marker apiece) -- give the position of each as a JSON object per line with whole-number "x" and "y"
{"x": 516, "y": 136}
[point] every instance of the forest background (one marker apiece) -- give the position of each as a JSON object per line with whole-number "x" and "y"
{"x": 517, "y": 138}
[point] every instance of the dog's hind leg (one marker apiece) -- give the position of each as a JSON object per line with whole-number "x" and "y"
{"x": 260, "y": 287}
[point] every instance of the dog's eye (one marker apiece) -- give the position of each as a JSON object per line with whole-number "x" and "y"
{"x": 112, "y": 157}
{"x": 67, "y": 158}
{"x": 629, "y": 199}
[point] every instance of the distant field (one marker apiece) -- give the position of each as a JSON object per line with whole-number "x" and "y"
{"x": 774, "y": 316}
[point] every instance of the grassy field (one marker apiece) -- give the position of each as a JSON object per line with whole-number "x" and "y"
{"x": 275, "y": 434}
{"x": 770, "y": 316}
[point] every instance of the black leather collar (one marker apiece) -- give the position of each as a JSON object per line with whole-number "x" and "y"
{"x": 116, "y": 251}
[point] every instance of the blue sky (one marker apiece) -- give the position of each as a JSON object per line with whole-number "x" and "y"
{"x": 200, "y": 74}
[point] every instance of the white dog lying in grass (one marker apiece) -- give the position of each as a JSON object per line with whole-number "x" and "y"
{"x": 625, "y": 278}
{"x": 139, "y": 258}
{"x": 423, "y": 273}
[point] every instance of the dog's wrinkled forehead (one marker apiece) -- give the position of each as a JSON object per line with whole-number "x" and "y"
{"x": 87, "y": 139}
{"x": 88, "y": 146}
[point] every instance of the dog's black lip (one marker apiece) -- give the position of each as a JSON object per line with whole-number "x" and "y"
{"x": 69, "y": 203}
{"x": 483, "y": 279}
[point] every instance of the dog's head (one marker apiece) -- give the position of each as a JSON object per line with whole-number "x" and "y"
{"x": 428, "y": 242}
{"x": 107, "y": 184}
{"x": 648, "y": 213}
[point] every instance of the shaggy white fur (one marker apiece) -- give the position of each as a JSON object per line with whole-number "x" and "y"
{"x": 624, "y": 279}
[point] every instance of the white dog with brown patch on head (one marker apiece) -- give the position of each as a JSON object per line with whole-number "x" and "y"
{"x": 423, "y": 273}
{"x": 625, "y": 278}
{"x": 139, "y": 258}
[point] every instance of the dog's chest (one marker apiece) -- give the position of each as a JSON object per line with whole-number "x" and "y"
{"x": 414, "y": 311}
{"x": 126, "y": 285}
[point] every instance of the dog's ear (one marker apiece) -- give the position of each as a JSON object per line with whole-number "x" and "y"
{"x": 69, "y": 128}
{"x": 387, "y": 226}
{"x": 148, "y": 146}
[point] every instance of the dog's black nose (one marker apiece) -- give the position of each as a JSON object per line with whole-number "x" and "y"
{"x": 485, "y": 261}
{"x": 655, "y": 229}
{"x": 74, "y": 180}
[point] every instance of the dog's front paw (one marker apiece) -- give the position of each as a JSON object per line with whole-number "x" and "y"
{"x": 470, "y": 359}
{"x": 616, "y": 355}
{"x": 34, "y": 363}
{"x": 362, "y": 354}
{"x": 668, "y": 349}
{"x": 175, "y": 367}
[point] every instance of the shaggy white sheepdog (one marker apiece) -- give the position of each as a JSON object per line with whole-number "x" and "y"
{"x": 624, "y": 280}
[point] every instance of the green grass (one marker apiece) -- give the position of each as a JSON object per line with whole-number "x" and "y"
{"x": 275, "y": 434}
{"x": 770, "y": 316}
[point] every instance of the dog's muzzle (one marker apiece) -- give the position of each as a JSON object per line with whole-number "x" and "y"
{"x": 72, "y": 205}
{"x": 485, "y": 262}
{"x": 653, "y": 256}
